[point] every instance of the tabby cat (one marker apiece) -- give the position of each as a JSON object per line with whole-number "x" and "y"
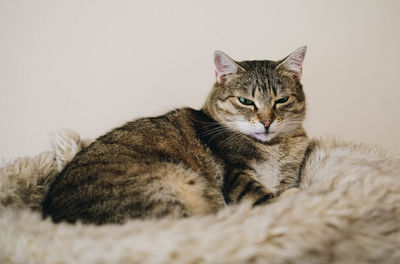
{"x": 247, "y": 142}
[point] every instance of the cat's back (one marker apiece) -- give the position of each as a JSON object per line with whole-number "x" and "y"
{"x": 123, "y": 168}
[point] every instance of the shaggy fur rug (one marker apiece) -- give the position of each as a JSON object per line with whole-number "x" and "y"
{"x": 347, "y": 211}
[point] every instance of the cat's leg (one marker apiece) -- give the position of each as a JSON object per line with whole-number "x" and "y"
{"x": 172, "y": 190}
{"x": 240, "y": 184}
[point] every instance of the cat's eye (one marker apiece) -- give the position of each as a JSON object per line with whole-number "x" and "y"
{"x": 245, "y": 101}
{"x": 282, "y": 100}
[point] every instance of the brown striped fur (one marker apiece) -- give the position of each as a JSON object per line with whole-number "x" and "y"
{"x": 190, "y": 162}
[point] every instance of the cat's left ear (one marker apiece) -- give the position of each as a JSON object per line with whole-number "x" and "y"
{"x": 224, "y": 66}
{"x": 294, "y": 62}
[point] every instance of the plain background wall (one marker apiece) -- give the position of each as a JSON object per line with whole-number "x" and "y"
{"x": 92, "y": 65}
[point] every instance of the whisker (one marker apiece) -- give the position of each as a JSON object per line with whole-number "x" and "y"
{"x": 211, "y": 131}
{"x": 218, "y": 133}
{"x": 229, "y": 138}
{"x": 210, "y": 125}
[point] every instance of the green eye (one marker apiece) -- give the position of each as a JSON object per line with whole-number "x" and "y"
{"x": 245, "y": 101}
{"x": 282, "y": 100}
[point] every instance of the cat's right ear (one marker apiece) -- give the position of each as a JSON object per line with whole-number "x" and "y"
{"x": 224, "y": 66}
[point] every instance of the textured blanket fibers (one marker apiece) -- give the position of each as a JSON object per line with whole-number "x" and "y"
{"x": 347, "y": 211}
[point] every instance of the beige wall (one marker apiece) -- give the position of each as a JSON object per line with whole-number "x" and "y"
{"x": 92, "y": 65}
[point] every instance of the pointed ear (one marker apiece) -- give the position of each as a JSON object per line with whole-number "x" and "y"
{"x": 294, "y": 62}
{"x": 224, "y": 66}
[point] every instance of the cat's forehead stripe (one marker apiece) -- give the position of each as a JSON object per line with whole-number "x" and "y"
{"x": 253, "y": 91}
{"x": 262, "y": 79}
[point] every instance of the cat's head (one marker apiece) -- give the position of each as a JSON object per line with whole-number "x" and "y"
{"x": 262, "y": 99}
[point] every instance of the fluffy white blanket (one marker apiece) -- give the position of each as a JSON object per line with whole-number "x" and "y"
{"x": 347, "y": 211}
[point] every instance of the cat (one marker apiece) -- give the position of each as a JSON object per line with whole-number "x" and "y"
{"x": 246, "y": 143}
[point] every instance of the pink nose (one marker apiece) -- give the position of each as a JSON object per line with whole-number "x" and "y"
{"x": 266, "y": 123}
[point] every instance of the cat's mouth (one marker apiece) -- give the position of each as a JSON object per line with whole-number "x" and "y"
{"x": 256, "y": 131}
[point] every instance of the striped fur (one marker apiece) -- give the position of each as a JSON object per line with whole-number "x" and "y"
{"x": 192, "y": 162}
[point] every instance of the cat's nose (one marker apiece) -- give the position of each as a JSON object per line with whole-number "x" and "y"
{"x": 266, "y": 123}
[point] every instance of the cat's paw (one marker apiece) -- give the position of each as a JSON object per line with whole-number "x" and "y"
{"x": 261, "y": 195}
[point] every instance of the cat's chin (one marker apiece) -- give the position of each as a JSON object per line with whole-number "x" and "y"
{"x": 263, "y": 137}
